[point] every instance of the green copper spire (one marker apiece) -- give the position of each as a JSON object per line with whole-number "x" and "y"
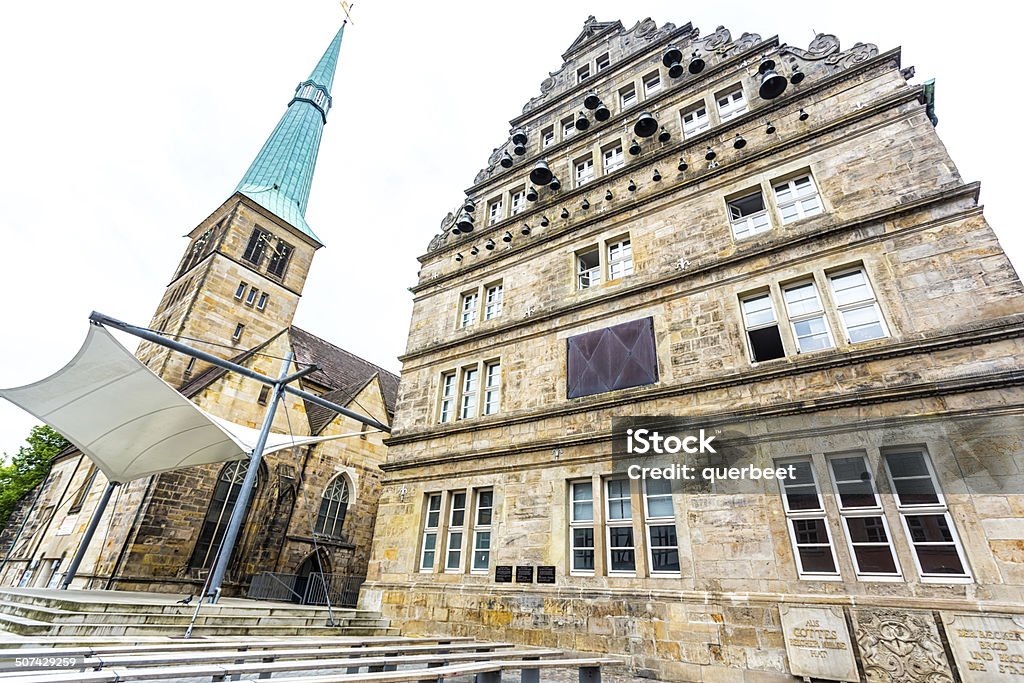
{"x": 280, "y": 177}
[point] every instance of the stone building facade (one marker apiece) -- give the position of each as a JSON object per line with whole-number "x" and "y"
{"x": 237, "y": 287}
{"x": 784, "y": 252}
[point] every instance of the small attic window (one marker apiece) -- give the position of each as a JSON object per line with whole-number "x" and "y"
{"x": 603, "y": 62}
{"x": 583, "y": 73}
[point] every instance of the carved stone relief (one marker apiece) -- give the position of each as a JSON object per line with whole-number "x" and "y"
{"x": 900, "y": 646}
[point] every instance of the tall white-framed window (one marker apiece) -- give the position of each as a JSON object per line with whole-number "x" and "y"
{"x": 262, "y": 303}
{"x": 547, "y": 137}
{"x": 240, "y": 290}
{"x": 603, "y": 62}
{"x": 581, "y": 527}
{"x": 858, "y": 309}
{"x": 613, "y": 158}
{"x": 652, "y": 84}
{"x": 584, "y": 171}
{"x": 568, "y": 128}
{"x": 619, "y": 527}
{"x": 237, "y": 334}
{"x": 797, "y": 198}
{"x": 731, "y": 104}
{"x": 865, "y": 526}
{"x": 627, "y": 97}
{"x": 518, "y": 201}
{"x": 492, "y": 387}
{"x": 807, "y": 524}
{"x": 620, "y": 259}
{"x": 763, "y": 336}
{"x": 588, "y": 268}
{"x": 660, "y": 521}
{"x": 482, "y": 517}
{"x": 447, "y": 411}
{"x": 937, "y": 550}
{"x": 695, "y": 120}
{"x": 470, "y": 386}
{"x": 583, "y": 73}
{"x": 469, "y": 308}
{"x": 807, "y": 317}
{"x": 250, "y": 298}
{"x": 456, "y": 526}
{"x": 495, "y": 211}
{"x": 431, "y": 524}
{"x": 493, "y": 301}
{"x": 748, "y": 215}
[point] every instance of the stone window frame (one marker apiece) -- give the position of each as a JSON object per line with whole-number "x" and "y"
{"x": 623, "y": 244}
{"x": 797, "y": 316}
{"x": 517, "y": 200}
{"x": 567, "y": 126}
{"x": 732, "y": 110}
{"x": 818, "y": 513}
{"x": 583, "y": 171}
{"x": 428, "y": 529}
{"x": 459, "y": 399}
{"x": 490, "y": 389}
{"x": 493, "y": 300}
{"x": 240, "y": 290}
{"x": 452, "y": 528}
{"x": 479, "y": 311}
{"x": 603, "y": 269}
{"x": 547, "y": 137}
{"x": 939, "y": 508}
{"x": 495, "y": 210}
{"x": 765, "y": 185}
{"x": 702, "y": 123}
{"x": 615, "y": 150}
{"x": 847, "y": 512}
{"x": 748, "y": 223}
{"x": 658, "y": 85}
{"x": 480, "y": 528}
{"x": 797, "y": 200}
{"x": 583, "y": 73}
{"x": 748, "y": 326}
{"x": 261, "y": 305}
{"x": 602, "y": 62}
{"x": 469, "y": 308}
{"x": 236, "y": 336}
{"x": 628, "y": 91}
{"x": 611, "y": 524}
{"x": 337, "y": 498}
{"x": 830, "y": 275}
{"x": 250, "y": 298}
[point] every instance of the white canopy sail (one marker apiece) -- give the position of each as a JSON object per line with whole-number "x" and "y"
{"x": 130, "y": 422}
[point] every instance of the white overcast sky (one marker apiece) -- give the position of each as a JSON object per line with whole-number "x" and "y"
{"x": 125, "y": 123}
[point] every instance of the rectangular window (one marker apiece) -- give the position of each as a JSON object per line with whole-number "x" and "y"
{"x": 495, "y": 211}
{"x": 613, "y": 158}
{"x": 518, "y": 201}
{"x": 547, "y": 137}
{"x": 240, "y": 290}
{"x": 83, "y": 491}
{"x": 492, "y": 388}
{"x": 627, "y": 97}
{"x": 456, "y": 522}
{"x": 662, "y": 542}
{"x": 258, "y": 242}
{"x": 237, "y": 334}
{"x": 251, "y": 298}
{"x": 584, "y": 171}
{"x": 588, "y": 268}
{"x": 748, "y": 215}
{"x": 568, "y": 128}
{"x": 731, "y": 104}
{"x": 695, "y": 120}
{"x": 867, "y": 534}
{"x": 493, "y": 302}
{"x": 190, "y": 367}
{"x": 858, "y": 309}
{"x": 603, "y": 62}
{"x": 621, "y": 546}
{"x": 468, "y": 309}
{"x": 482, "y": 531}
{"x": 797, "y": 198}
{"x": 583, "y": 73}
{"x": 581, "y": 527}
{"x": 620, "y": 259}
{"x": 469, "y": 390}
{"x": 264, "y": 395}
{"x": 807, "y": 317}
{"x": 447, "y": 397}
{"x": 808, "y": 527}
{"x": 762, "y": 328}
{"x": 262, "y": 303}
{"x": 279, "y": 259}
{"x": 430, "y": 528}
{"x": 652, "y": 84}
{"x": 938, "y": 553}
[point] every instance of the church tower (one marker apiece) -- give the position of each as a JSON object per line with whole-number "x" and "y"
{"x": 243, "y": 272}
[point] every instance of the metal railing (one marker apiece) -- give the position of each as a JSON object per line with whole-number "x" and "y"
{"x": 339, "y": 590}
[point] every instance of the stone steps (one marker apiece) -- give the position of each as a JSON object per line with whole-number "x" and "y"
{"x": 86, "y": 614}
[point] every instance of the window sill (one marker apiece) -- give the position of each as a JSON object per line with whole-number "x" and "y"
{"x": 836, "y": 578}
{"x": 947, "y": 579}
{"x": 881, "y": 579}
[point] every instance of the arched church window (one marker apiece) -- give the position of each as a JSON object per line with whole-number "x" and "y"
{"x": 333, "y": 507}
{"x": 229, "y": 483}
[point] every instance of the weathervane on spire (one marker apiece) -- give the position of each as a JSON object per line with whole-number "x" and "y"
{"x": 346, "y": 7}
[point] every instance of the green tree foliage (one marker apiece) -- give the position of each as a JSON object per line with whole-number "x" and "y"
{"x": 28, "y": 467}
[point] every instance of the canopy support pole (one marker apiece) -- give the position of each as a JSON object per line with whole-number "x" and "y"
{"x": 89, "y": 533}
{"x": 241, "y": 507}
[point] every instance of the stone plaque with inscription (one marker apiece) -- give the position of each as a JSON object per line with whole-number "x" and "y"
{"x": 818, "y": 643}
{"x": 987, "y": 648}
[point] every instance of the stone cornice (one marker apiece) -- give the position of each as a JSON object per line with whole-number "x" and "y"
{"x": 1010, "y": 328}
{"x": 698, "y": 142}
{"x": 971, "y": 190}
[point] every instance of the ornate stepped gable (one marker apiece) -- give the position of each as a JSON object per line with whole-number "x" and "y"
{"x": 822, "y": 58}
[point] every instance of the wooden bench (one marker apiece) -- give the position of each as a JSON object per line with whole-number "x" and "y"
{"x": 186, "y": 657}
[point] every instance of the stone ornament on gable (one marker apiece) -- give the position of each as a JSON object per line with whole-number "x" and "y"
{"x": 825, "y": 48}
